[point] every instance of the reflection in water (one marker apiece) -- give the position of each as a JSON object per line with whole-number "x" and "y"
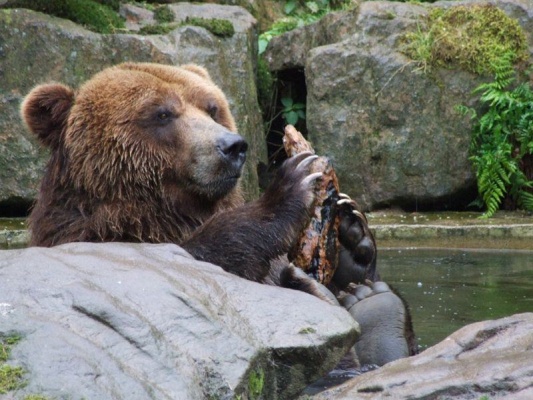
{"x": 448, "y": 289}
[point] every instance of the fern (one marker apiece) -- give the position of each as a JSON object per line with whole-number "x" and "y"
{"x": 502, "y": 138}
{"x": 525, "y": 200}
{"x": 494, "y": 177}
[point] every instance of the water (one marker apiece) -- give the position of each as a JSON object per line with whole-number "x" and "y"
{"x": 448, "y": 289}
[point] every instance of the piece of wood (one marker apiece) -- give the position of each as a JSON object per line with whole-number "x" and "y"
{"x": 317, "y": 249}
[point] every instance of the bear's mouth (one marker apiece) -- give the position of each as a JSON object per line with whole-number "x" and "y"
{"x": 220, "y": 187}
{"x": 213, "y": 189}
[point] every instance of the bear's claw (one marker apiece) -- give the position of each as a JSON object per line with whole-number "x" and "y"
{"x": 357, "y": 258}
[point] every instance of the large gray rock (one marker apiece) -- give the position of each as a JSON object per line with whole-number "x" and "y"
{"x": 391, "y": 129}
{"x": 36, "y": 48}
{"x": 490, "y": 358}
{"x": 127, "y": 321}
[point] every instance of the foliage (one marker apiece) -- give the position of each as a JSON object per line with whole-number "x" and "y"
{"x": 112, "y": 4}
{"x": 163, "y": 14}
{"x": 300, "y": 13}
{"x": 503, "y": 139}
{"x": 292, "y": 112}
{"x": 89, "y": 13}
{"x": 471, "y": 37}
{"x": 279, "y": 27}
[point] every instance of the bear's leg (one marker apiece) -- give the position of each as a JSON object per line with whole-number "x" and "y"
{"x": 385, "y": 321}
{"x": 283, "y": 273}
{"x": 244, "y": 240}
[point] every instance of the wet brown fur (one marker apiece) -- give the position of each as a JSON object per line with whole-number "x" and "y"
{"x": 115, "y": 175}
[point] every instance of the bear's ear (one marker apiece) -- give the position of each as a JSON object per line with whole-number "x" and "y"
{"x": 45, "y": 111}
{"x": 201, "y": 71}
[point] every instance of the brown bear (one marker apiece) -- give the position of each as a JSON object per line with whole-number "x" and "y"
{"x": 149, "y": 153}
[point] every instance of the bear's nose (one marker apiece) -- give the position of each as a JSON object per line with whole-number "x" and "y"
{"x": 233, "y": 148}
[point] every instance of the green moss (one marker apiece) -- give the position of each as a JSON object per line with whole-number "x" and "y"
{"x": 468, "y": 37}
{"x": 265, "y": 85}
{"x": 112, "y": 4}
{"x": 157, "y": 29}
{"x": 164, "y": 14}
{"x": 89, "y": 13}
{"x": 35, "y": 397}
{"x": 218, "y": 27}
{"x": 6, "y": 343}
{"x": 10, "y": 378}
{"x": 256, "y": 382}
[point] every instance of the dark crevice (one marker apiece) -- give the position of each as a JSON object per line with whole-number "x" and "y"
{"x": 462, "y": 200}
{"x": 15, "y": 207}
{"x": 287, "y": 84}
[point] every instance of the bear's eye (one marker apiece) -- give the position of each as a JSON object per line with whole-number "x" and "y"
{"x": 164, "y": 116}
{"x": 212, "y": 110}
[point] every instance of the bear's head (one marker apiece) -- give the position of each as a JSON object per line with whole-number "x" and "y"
{"x": 139, "y": 129}
{"x": 140, "y": 152}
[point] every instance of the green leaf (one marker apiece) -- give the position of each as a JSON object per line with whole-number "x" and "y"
{"x": 312, "y": 6}
{"x": 290, "y": 6}
{"x": 262, "y": 44}
{"x": 291, "y": 117}
{"x": 525, "y": 200}
{"x": 301, "y": 114}
{"x": 287, "y": 102}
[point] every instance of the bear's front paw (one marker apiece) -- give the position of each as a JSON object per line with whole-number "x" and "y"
{"x": 357, "y": 256}
{"x": 293, "y": 187}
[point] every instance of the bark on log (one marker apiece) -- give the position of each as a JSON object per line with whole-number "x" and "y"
{"x": 317, "y": 249}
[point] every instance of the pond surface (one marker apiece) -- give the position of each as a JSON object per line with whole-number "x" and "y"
{"x": 448, "y": 289}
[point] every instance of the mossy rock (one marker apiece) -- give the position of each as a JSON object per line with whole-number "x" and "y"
{"x": 157, "y": 29}
{"x": 96, "y": 16}
{"x": 470, "y": 37}
{"x": 218, "y": 27}
{"x": 163, "y": 14}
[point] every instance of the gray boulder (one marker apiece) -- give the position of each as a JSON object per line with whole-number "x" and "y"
{"x": 36, "y": 48}
{"x": 391, "y": 130}
{"x": 490, "y": 358}
{"x": 140, "y": 321}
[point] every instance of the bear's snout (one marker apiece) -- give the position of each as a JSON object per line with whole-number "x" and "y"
{"x": 232, "y": 148}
